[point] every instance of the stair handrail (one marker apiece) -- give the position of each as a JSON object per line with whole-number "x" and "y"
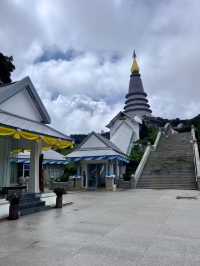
{"x": 166, "y": 125}
{"x": 155, "y": 145}
{"x": 196, "y": 154}
{"x": 142, "y": 163}
{"x": 145, "y": 157}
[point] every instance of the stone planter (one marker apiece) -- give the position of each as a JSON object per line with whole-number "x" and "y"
{"x": 59, "y": 201}
{"x": 59, "y": 193}
{"x": 14, "y": 207}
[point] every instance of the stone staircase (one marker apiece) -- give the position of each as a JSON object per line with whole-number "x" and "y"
{"x": 31, "y": 203}
{"x": 171, "y": 165}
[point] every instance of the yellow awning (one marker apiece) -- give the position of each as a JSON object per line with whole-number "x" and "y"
{"x": 51, "y": 142}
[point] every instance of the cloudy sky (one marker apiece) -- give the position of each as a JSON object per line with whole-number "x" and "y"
{"x": 78, "y": 55}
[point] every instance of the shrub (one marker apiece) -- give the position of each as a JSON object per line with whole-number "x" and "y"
{"x": 70, "y": 170}
{"x": 59, "y": 191}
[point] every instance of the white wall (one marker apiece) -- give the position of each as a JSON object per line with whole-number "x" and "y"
{"x": 93, "y": 142}
{"x": 122, "y": 137}
{"x": 114, "y": 127}
{"x": 92, "y": 147}
{"x": 92, "y": 152}
{"x": 133, "y": 125}
{"x": 124, "y": 133}
{"x": 21, "y": 104}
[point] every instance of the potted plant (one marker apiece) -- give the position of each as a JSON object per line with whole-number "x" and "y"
{"x": 59, "y": 199}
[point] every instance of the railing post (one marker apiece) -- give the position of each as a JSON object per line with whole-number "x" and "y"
{"x": 196, "y": 156}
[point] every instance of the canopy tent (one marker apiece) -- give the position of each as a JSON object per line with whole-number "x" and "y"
{"x": 45, "y": 162}
{"x": 99, "y": 158}
{"x": 49, "y": 141}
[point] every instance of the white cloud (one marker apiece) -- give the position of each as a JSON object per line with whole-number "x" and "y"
{"x": 84, "y": 93}
{"x": 80, "y": 113}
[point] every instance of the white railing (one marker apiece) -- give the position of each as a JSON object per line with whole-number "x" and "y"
{"x": 142, "y": 163}
{"x": 145, "y": 157}
{"x": 196, "y": 154}
{"x": 166, "y": 125}
{"x": 155, "y": 145}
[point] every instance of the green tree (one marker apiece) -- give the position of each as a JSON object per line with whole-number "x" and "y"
{"x": 6, "y": 68}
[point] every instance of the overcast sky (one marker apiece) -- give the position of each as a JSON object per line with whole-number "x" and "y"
{"x": 78, "y": 55}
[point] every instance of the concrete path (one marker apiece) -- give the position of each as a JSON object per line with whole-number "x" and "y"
{"x": 135, "y": 227}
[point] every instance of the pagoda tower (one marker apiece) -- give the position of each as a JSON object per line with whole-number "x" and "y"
{"x": 136, "y": 100}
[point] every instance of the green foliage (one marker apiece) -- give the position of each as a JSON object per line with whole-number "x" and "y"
{"x": 135, "y": 158}
{"x": 148, "y": 134}
{"x": 66, "y": 151}
{"x": 70, "y": 170}
{"x": 59, "y": 191}
{"x": 152, "y": 134}
{"x": 6, "y": 67}
{"x": 136, "y": 153}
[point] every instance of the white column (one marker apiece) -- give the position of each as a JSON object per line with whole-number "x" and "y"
{"x": 79, "y": 169}
{"x": 5, "y": 148}
{"x": 86, "y": 172}
{"x": 117, "y": 169}
{"x": 33, "y": 185}
{"x": 111, "y": 168}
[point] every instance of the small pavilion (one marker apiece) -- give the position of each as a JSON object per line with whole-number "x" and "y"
{"x": 97, "y": 157}
{"x": 24, "y": 125}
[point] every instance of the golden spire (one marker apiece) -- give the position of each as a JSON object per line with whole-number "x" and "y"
{"x": 135, "y": 67}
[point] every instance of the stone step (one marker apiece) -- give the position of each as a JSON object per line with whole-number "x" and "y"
{"x": 169, "y": 187}
{"x": 171, "y": 165}
{"x": 26, "y": 205}
{"x": 172, "y": 151}
{"x": 167, "y": 183}
{"x": 34, "y": 210}
{"x": 171, "y": 159}
{"x": 177, "y": 161}
{"x": 30, "y": 203}
{"x": 168, "y": 168}
{"x": 164, "y": 175}
{"x": 30, "y": 195}
{"x": 167, "y": 179}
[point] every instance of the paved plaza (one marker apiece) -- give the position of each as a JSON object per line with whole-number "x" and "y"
{"x": 133, "y": 227}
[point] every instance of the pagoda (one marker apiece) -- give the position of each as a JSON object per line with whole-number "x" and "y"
{"x": 136, "y": 103}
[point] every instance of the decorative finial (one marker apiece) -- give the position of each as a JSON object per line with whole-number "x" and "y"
{"x": 135, "y": 68}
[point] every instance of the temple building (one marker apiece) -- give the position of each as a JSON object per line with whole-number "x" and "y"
{"x": 98, "y": 158}
{"x": 136, "y": 99}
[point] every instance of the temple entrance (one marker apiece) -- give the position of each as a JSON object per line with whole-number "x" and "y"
{"x": 96, "y": 175}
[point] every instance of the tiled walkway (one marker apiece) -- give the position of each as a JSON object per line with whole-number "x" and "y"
{"x": 135, "y": 227}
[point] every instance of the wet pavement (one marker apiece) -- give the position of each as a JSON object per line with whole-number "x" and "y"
{"x": 133, "y": 227}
